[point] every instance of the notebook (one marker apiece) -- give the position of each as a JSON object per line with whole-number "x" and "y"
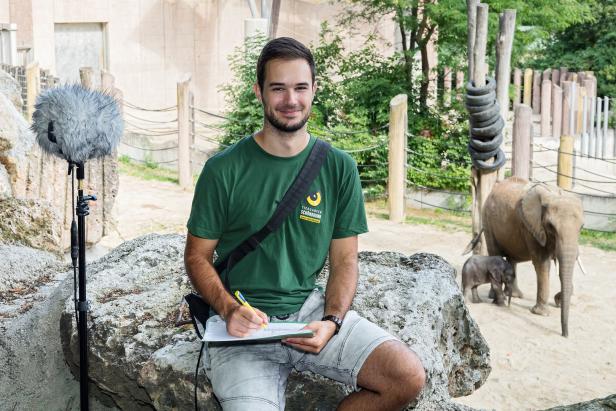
{"x": 216, "y": 331}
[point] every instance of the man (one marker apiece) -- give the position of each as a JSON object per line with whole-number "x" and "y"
{"x": 236, "y": 194}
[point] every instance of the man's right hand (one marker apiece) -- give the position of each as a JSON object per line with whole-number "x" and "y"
{"x": 242, "y": 321}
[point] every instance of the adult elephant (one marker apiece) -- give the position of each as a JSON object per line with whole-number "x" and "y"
{"x": 524, "y": 221}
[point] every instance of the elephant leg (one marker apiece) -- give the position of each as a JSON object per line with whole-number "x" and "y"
{"x": 476, "y": 298}
{"x": 542, "y": 268}
{"x": 515, "y": 290}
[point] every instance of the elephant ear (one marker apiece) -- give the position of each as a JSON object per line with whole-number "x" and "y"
{"x": 531, "y": 210}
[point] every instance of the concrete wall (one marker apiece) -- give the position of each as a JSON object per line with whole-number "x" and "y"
{"x": 150, "y": 44}
{"x": 4, "y": 11}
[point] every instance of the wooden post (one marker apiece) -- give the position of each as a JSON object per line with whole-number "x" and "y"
{"x": 591, "y": 127}
{"x": 504, "y": 43}
{"x": 471, "y": 13}
{"x": 565, "y": 163}
{"x": 183, "y": 98}
{"x": 107, "y": 82}
{"x": 481, "y": 182}
{"x": 589, "y": 85}
{"x": 447, "y": 87}
{"x": 546, "y": 111}
{"x": 86, "y": 74}
{"x": 546, "y": 75}
{"x": 566, "y": 130}
{"x": 517, "y": 86}
{"x": 556, "y": 77}
{"x": 564, "y": 71}
{"x": 557, "y": 111}
{"x": 459, "y": 85}
{"x": 396, "y": 181}
{"x": 33, "y": 88}
{"x": 598, "y": 136}
{"x": 536, "y": 92}
{"x": 584, "y": 140}
{"x": 521, "y": 150}
{"x": 528, "y": 87}
{"x": 606, "y": 112}
{"x": 579, "y": 107}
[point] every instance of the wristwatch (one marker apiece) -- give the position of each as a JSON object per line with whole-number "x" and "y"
{"x": 335, "y": 320}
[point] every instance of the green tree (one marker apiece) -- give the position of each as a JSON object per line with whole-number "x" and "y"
{"x": 589, "y": 45}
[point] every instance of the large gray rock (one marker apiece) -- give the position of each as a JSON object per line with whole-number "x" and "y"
{"x": 140, "y": 359}
{"x": 602, "y": 404}
{"x": 5, "y": 183}
{"x": 16, "y": 144}
{"x": 32, "y": 223}
{"x": 11, "y": 88}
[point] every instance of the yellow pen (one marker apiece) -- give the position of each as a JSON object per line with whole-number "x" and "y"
{"x": 243, "y": 301}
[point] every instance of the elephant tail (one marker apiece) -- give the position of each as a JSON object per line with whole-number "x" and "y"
{"x": 473, "y": 243}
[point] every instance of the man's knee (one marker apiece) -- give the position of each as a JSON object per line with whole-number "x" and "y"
{"x": 408, "y": 376}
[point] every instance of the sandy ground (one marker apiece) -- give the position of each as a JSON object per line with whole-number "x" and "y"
{"x": 533, "y": 367}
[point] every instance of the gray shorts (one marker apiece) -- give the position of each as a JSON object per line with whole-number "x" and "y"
{"x": 254, "y": 376}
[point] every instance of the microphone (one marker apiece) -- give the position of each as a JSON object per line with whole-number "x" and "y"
{"x": 76, "y": 123}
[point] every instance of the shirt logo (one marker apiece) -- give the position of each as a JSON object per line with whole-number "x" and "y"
{"x": 311, "y": 214}
{"x": 314, "y": 199}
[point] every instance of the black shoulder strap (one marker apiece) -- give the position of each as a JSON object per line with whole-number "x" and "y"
{"x": 289, "y": 201}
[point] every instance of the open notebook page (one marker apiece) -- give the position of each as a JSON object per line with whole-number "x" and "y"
{"x": 216, "y": 331}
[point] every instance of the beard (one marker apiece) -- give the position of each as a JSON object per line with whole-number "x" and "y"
{"x": 284, "y": 127}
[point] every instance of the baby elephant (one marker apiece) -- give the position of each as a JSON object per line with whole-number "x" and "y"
{"x": 495, "y": 270}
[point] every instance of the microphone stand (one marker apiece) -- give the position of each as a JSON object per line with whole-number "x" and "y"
{"x": 78, "y": 245}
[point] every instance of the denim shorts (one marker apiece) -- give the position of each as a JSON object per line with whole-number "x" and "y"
{"x": 254, "y": 376}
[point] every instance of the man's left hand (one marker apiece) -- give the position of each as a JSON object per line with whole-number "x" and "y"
{"x": 323, "y": 332}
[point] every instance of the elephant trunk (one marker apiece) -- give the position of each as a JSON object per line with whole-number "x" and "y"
{"x": 566, "y": 263}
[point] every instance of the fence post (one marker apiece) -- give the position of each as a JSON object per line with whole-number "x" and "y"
{"x": 107, "y": 81}
{"x": 557, "y": 111}
{"x": 580, "y": 109}
{"x": 528, "y": 87}
{"x": 517, "y": 87}
{"x": 520, "y": 156}
{"x": 606, "y": 112}
{"x": 396, "y": 180}
{"x": 504, "y": 43}
{"x": 565, "y": 163}
{"x": 183, "y": 100}
{"x": 447, "y": 87}
{"x": 86, "y": 74}
{"x": 566, "y": 124}
{"x": 33, "y": 88}
{"x": 536, "y": 92}
{"x": 584, "y": 140}
{"x": 459, "y": 85}
{"x": 555, "y": 77}
{"x": 546, "y": 97}
{"x": 598, "y": 136}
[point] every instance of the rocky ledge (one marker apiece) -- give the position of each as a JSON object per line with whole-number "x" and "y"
{"x": 139, "y": 358}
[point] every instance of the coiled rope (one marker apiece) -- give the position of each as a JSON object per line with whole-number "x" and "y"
{"x": 486, "y": 126}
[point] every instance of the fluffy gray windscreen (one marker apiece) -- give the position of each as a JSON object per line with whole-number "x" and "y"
{"x": 77, "y": 124}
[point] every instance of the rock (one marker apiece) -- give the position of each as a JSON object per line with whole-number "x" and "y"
{"x": 16, "y": 143}
{"x": 34, "y": 373}
{"x": 142, "y": 360}
{"x": 11, "y": 89}
{"x": 603, "y": 404}
{"x": 32, "y": 223}
{"x": 5, "y": 183}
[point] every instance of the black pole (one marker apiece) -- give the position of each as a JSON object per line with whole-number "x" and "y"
{"x": 82, "y": 304}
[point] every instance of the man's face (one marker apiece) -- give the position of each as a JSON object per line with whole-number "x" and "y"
{"x": 287, "y": 94}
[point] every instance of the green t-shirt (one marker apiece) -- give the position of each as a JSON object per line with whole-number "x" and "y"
{"x": 238, "y": 192}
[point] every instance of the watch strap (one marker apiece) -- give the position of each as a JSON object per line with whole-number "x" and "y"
{"x": 335, "y": 320}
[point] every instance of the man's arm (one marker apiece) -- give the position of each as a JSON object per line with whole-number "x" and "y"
{"x": 339, "y": 293}
{"x": 343, "y": 274}
{"x": 198, "y": 259}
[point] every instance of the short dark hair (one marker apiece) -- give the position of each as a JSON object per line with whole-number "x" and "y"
{"x": 284, "y": 48}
